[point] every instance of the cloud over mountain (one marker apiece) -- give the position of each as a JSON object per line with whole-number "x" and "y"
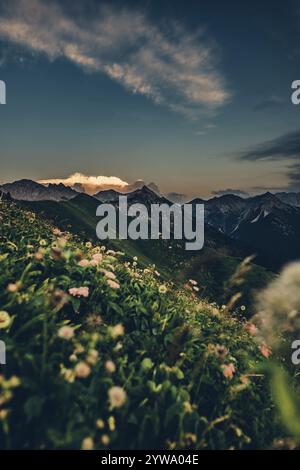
{"x": 168, "y": 64}
{"x": 93, "y": 184}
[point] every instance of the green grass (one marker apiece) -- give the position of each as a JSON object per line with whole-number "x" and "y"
{"x": 169, "y": 353}
{"x": 212, "y": 267}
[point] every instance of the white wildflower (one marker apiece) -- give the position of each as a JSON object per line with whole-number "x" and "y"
{"x": 278, "y": 305}
{"x": 117, "y": 396}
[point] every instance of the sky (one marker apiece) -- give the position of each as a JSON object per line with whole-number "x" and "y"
{"x": 194, "y": 96}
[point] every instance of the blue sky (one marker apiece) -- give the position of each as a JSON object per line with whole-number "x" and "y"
{"x": 185, "y": 94}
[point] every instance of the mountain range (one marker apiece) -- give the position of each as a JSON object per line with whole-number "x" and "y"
{"x": 28, "y": 190}
{"x": 267, "y": 225}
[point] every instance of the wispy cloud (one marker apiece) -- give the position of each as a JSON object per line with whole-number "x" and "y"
{"x": 206, "y": 129}
{"x": 269, "y": 103}
{"x": 285, "y": 149}
{"x": 166, "y": 63}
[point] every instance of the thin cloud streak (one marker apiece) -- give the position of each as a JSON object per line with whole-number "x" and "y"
{"x": 269, "y": 104}
{"x": 285, "y": 149}
{"x": 169, "y": 65}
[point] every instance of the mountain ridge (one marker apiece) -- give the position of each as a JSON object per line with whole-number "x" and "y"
{"x": 264, "y": 224}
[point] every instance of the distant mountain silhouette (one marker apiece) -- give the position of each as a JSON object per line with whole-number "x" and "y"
{"x": 268, "y": 224}
{"x": 28, "y": 190}
{"x": 264, "y": 223}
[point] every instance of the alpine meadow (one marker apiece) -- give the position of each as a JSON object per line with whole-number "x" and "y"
{"x": 149, "y": 230}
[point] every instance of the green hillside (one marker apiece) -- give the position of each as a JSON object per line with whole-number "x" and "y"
{"x": 212, "y": 267}
{"x": 102, "y": 352}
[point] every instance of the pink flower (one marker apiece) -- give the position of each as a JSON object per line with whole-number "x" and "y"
{"x": 110, "y": 366}
{"x": 87, "y": 444}
{"x": 82, "y": 370}
{"x": 73, "y": 291}
{"x": 13, "y": 287}
{"x": 265, "y": 350}
{"x": 83, "y": 291}
{"x": 92, "y": 357}
{"x": 84, "y": 263}
{"x": 228, "y": 370}
{"x": 117, "y": 330}
{"x": 94, "y": 262}
{"x": 97, "y": 257}
{"x": 109, "y": 274}
{"x": 57, "y": 232}
{"x": 79, "y": 291}
{"x": 251, "y": 328}
{"x": 113, "y": 284}
{"x": 66, "y": 332}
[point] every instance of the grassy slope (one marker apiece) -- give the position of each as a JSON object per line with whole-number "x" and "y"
{"x": 168, "y": 362}
{"x": 212, "y": 267}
